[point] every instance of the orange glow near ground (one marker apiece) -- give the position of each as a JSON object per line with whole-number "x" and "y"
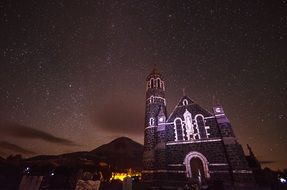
{"x": 122, "y": 176}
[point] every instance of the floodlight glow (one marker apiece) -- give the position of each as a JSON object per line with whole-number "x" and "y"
{"x": 218, "y": 110}
{"x": 27, "y": 169}
{"x": 282, "y": 180}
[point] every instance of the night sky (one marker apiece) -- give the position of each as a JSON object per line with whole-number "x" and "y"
{"x": 72, "y": 73}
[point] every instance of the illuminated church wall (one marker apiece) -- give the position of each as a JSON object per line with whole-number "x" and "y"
{"x": 190, "y": 141}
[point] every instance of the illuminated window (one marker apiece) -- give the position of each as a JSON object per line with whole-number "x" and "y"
{"x": 151, "y": 121}
{"x": 178, "y": 129}
{"x": 162, "y": 85}
{"x": 202, "y": 129}
{"x": 185, "y": 102}
{"x": 151, "y": 100}
{"x": 158, "y": 83}
{"x": 148, "y": 84}
{"x": 152, "y": 83}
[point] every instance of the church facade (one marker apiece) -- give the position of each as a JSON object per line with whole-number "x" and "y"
{"x": 190, "y": 143}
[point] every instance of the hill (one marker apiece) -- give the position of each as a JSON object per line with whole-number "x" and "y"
{"x": 121, "y": 153}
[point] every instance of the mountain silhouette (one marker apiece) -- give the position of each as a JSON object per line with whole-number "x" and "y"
{"x": 121, "y": 154}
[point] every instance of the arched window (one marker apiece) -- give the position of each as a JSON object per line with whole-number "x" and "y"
{"x": 185, "y": 102}
{"x": 200, "y": 123}
{"x": 148, "y": 84}
{"x": 151, "y": 121}
{"x": 162, "y": 85}
{"x": 151, "y": 100}
{"x": 152, "y": 83}
{"x": 158, "y": 83}
{"x": 178, "y": 129}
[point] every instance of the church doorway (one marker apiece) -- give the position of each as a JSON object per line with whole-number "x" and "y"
{"x": 197, "y": 171}
{"x": 196, "y": 167}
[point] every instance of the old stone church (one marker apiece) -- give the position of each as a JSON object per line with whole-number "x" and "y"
{"x": 189, "y": 143}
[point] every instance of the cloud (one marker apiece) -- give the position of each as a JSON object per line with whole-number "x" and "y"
{"x": 22, "y": 131}
{"x": 267, "y": 162}
{"x": 120, "y": 117}
{"x": 9, "y": 146}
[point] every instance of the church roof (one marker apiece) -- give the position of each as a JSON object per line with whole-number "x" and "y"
{"x": 185, "y": 103}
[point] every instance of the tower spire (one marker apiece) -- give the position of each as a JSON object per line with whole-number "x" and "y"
{"x": 155, "y": 69}
{"x": 155, "y": 114}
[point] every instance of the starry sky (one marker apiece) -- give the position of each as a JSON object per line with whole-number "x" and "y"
{"x": 72, "y": 73}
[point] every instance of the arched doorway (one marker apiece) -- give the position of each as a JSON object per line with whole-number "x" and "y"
{"x": 197, "y": 171}
{"x": 196, "y": 166}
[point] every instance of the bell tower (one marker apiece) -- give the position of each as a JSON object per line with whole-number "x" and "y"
{"x": 154, "y": 129}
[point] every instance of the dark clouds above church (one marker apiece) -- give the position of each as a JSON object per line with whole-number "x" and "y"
{"x": 25, "y": 132}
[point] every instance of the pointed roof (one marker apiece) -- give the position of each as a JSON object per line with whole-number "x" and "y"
{"x": 155, "y": 70}
{"x": 154, "y": 73}
{"x": 185, "y": 103}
